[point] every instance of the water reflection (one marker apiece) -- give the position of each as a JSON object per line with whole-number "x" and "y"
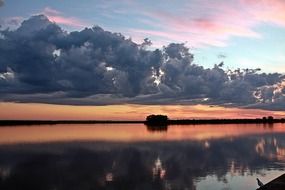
{"x": 227, "y": 162}
{"x": 130, "y": 132}
{"x": 157, "y": 128}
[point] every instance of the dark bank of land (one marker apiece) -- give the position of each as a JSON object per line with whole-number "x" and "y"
{"x": 163, "y": 120}
{"x": 54, "y": 122}
{"x": 157, "y": 120}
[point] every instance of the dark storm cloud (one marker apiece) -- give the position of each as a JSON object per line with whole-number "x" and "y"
{"x": 42, "y": 63}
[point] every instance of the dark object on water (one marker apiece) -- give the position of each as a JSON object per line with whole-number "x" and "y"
{"x": 276, "y": 184}
{"x": 156, "y": 120}
{"x": 259, "y": 183}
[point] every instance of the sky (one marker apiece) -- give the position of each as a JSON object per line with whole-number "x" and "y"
{"x": 226, "y": 53}
{"x": 249, "y": 33}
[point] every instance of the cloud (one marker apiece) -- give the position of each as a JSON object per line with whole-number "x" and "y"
{"x": 1, "y": 3}
{"x": 11, "y": 22}
{"x": 267, "y": 11}
{"x": 42, "y": 63}
{"x": 69, "y": 21}
{"x": 207, "y": 22}
{"x": 58, "y": 17}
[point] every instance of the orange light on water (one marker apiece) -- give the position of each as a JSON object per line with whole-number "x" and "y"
{"x": 129, "y": 133}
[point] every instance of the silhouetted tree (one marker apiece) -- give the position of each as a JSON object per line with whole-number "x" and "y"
{"x": 156, "y": 120}
{"x": 270, "y": 119}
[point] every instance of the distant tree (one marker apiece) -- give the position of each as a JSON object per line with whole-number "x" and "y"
{"x": 156, "y": 119}
{"x": 270, "y": 119}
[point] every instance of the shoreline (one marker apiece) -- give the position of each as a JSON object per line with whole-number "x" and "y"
{"x": 4, "y": 123}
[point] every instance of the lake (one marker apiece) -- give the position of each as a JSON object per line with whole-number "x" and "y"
{"x": 133, "y": 156}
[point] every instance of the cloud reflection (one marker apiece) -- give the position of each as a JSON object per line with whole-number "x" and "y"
{"x": 103, "y": 165}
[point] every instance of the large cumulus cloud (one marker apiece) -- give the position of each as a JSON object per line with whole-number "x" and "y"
{"x": 40, "y": 62}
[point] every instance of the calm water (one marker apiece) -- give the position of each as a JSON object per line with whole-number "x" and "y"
{"x": 133, "y": 156}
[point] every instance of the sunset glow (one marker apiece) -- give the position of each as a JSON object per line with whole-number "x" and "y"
{"x": 123, "y": 60}
{"x": 125, "y": 112}
{"x": 142, "y": 94}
